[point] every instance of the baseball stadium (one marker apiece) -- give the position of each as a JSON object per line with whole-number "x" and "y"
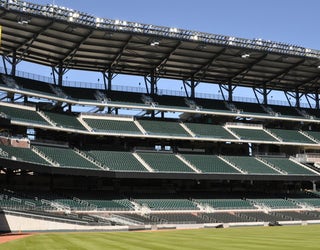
{"x": 103, "y": 166}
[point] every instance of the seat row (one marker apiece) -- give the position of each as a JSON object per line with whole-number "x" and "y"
{"x": 99, "y": 97}
{"x": 153, "y": 161}
{"x": 117, "y": 125}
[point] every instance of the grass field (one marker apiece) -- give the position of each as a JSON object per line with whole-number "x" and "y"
{"x": 257, "y": 238}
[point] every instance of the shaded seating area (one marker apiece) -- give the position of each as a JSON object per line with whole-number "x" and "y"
{"x": 251, "y": 108}
{"x": 226, "y": 218}
{"x": 179, "y": 218}
{"x": 286, "y": 111}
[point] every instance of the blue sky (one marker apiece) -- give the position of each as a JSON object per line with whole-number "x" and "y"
{"x": 290, "y": 21}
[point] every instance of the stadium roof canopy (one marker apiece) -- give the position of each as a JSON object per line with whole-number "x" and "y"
{"x": 57, "y": 36}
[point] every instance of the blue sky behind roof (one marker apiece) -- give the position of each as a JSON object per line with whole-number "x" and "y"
{"x": 290, "y": 21}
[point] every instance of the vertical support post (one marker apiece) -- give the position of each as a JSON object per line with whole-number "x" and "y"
{"x": 110, "y": 77}
{"x": 192, "y": 88}
{"x": 14, "y": 63}
{"x": 314, "y": 186}
{"x": 265, "y": 94}
{"x": 4, "y": 65}
{"x": 297, "y": 98}
{"x": 60, "y": 74}
{"x": 317, "y": 99}
{"x": 230, "y": 91}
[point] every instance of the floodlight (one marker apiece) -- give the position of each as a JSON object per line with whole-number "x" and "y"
{"x": 245, "y": 55}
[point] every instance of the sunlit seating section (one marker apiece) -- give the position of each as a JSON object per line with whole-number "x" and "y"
{"x": 21, "y": 154}
{"x": 111, "y": 204}
{"x": 118, "y": 161}
{"x": 67, "y": 157}
{"x": 112, "y": 126}
{"x": 226, "y": 204}
{"x": 65, "y": 120}
{"x": 276, "y": 203}
{"x": 313, "y": 202}
{"x": 251, "y": 165}
{"x": 170, "y": 128}
{"x": 209, "y": 131}
{"x": 288, "y": 166}
{"x": 168, "y": 204}
{"x": 22, "y": 115}
{"x": 252, "y": 134}
{"x": 210, "y": 164}
{"x": 164, "y": 162}
{"x": 291, "y": 136}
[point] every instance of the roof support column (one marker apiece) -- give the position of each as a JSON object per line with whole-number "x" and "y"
{"x": 12, "y": 61}
{"x": 229, "y": 89}
{"x": 263, "y": 92}
{"x": 314, "y": 97}
{"x": 317, "y": 100}
{"x": 192, "y": 84}
{"x": 151, "y": 84}
{"x": 107, "y": 79}
{"x": 59, "y": 71}
{"x": 297, "y": 98}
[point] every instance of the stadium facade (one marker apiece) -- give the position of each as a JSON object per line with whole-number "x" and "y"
{"x": 216, "y": 162}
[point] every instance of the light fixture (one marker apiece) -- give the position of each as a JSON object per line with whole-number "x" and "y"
{"x": 245, "y": 55}
{"x": 154, "y": 43}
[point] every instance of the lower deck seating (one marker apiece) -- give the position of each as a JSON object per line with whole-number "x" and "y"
{"x": 168, "y": 204}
